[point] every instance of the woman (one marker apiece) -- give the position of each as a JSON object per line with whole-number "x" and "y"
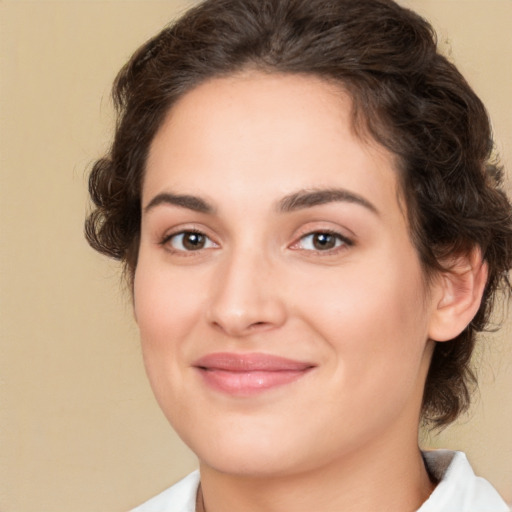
{"x": 313, "y": 232}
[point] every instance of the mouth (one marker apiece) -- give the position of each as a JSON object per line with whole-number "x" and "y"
{"x": 248, "y": 374}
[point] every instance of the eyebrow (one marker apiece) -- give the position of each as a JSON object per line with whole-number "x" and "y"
{"x": 302, "y": 199}
{"x": 308, "y": 198}
{"x": 182, "y": 200}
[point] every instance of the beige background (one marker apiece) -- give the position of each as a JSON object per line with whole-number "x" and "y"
{"x": 79, "y": 429}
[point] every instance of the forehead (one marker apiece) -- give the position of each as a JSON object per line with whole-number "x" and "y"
{"x": 267, "y": 134}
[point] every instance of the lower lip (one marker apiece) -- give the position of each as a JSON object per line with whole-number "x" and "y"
{"x": 249, "y": 382}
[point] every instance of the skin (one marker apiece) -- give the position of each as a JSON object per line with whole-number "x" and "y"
{"x": 343, "y": 436}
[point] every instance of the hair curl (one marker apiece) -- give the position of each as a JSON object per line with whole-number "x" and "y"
{"x": 407, "y": 96}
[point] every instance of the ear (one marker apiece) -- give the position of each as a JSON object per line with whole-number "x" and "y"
{"x": 457, "y": 295}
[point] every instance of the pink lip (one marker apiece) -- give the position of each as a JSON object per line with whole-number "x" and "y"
{"x": 246, "y": 374}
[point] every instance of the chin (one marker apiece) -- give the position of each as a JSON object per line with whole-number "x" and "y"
{"x": 252, "y": 452}
{"x": 258, "y": 453}
{"x": 250, "y": 464}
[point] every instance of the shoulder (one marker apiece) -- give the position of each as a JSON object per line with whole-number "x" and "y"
{"x": 459, "y": 488}
{"x": 181, "y": 497}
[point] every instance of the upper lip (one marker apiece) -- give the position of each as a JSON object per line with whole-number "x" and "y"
{"x": 250, "y": 362}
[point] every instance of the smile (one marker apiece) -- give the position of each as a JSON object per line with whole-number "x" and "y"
{"x": 248, "y": 374}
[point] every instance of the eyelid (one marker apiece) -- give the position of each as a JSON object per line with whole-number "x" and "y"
{"x": 345, "y": 241}
{"x": 168, "y": 236}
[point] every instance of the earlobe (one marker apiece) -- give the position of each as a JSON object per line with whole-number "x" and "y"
{"x": 458, "y": 294}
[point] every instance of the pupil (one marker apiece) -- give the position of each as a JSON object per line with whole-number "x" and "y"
{"x": 193, "y": 241}
{"x": 324, "y": 241}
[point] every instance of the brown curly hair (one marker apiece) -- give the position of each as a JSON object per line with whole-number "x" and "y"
{"x": 406, "y": 96}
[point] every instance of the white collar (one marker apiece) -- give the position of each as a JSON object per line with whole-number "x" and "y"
{"x": 458, "y": 490}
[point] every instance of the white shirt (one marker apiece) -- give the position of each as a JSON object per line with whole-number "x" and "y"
{"x": 458, "y": 490}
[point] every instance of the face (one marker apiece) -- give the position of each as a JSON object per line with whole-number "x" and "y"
{"x": 281, "y": 304}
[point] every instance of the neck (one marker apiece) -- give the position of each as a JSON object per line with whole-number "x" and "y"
{"x": 380, "y": 479}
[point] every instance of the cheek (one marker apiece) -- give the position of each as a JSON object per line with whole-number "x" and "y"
{"x": 375, "y": 322}
{"x": 165, "y": 305}
{"x": 166, "y": 308}
{"x": 364, "y": 298}
{"x": 166, "y": 311}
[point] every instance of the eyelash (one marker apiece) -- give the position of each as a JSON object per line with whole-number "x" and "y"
{"x": 342, "y": 242}
{"x": 166, "y": 241}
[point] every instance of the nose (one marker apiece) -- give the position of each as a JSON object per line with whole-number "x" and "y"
{"x": 245, "y": 297}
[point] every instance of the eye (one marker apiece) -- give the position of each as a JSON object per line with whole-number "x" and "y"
{"x": 322, "y": 241}
{"x": 188, "y": 241}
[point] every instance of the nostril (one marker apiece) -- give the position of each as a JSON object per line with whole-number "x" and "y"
{"x": 255, "y": 325}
